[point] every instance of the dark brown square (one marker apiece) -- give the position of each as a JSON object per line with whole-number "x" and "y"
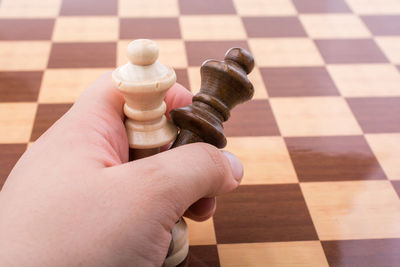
{"x": 201, "y": 256}
{"x": 273, "y": 27}
{"x": 83, "y": 55}
{"x": 298, "y": 81}
{"x": 198, "y": 52}
{"x": 9, "y": 155}
{"x": 396, "y": 185}
{"x": 321, "y": 6}
{"x": 46, "y": 116}
{"x": 182, "y": 78}
{"x": 377, "y": 115}
{"x": 191, "y": 7}
{"x": 89, "y": 7}
{"x": 350, "y": 51}
{"x": 26, "y": 29}
{"x": 333, "y": 158}
{"x": 369, "y": 252}
{"x": 263, "y": 213}
{"x": 383, "y": 25}
{"x": 20, "y": 86}
{"x": 136, "y": 28}
{"x": 253, "y": 118}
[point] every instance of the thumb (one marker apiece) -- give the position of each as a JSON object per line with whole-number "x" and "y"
{"x": 181, "y": 176}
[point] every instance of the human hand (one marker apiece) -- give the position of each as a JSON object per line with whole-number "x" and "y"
{"x": 73, "y": 199}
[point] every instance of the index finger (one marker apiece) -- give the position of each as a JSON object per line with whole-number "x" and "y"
{"x": 177, "y": 96}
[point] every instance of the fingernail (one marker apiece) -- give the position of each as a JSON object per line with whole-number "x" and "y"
{"x": 236, "y": 165}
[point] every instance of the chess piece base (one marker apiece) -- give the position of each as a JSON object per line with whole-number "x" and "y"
{"x": 150, "y": 135}
{"x": 181, "y": 244}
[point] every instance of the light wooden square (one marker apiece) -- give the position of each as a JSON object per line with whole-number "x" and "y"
{"x": 86, "y": 29}
{"x": 260, "y": 92}
{"x": 267, "y": 8}
{"x": 194, "y": 79}
{"x": 366, "y": 80}
{"x": 314, "y": 116}
{"x": 122, "y": 47}
{"x": 24, "y": 56}
{"x": 354, "y": 209}
{"x": 16, "y": 122}
{"x": 390, "y": 46}
{"x": 148, "y": 8}
{"x": 334, "y": 26}
{"x": 171, "y": 53}
{"x": 375, "y": 7}
{"x": 386, "y": 148}
{"x": 66, "y": 85}
{"x": 212, "y": 27}
{"x": 285, "y": 52}
{"x": 201, "y": 233}
{"x": 299, "y": 254}
{"x": 29, "y": 8}
{"x": 265, "y": 160}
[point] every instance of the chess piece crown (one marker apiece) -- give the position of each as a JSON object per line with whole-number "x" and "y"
{"x": 224, "y": 84}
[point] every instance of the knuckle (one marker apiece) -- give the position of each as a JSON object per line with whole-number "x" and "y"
{"x": 218, "y": 161}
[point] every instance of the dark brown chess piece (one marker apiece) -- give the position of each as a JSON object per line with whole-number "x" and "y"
{"x": 224, "y": 84}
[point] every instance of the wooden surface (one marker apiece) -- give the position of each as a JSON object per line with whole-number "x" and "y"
{"x": 320, "y": 141}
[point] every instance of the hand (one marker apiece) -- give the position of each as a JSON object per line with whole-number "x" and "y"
{"x": 73, "y": 199}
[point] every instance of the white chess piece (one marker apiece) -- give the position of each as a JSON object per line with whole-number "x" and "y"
{"x": 180, "y": 236}
{"x": 143, "y": 82}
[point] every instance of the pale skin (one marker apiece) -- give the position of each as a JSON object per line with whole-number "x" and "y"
{"x": 73, "y": 199}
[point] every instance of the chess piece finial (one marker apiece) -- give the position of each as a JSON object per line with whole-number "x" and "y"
{"x": 224, "y": 84}
{"x": 142, "y": 52}
{"x": 143, "y": 82}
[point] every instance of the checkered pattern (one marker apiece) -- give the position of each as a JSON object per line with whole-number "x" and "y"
{"x": 320, "y": 142}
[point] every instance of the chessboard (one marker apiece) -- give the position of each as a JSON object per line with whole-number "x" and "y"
{"x": 320, "y": 141}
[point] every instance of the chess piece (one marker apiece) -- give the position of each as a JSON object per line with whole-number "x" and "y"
{"x": 143, "y": 82}
{"x": 224, "y": 84}
{"x": 179, "y": 246}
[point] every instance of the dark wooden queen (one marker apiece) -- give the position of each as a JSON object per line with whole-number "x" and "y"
{"x": 224, "y": 84}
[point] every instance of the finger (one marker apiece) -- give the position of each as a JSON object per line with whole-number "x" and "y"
{"x": 103, "y": 99}
{"x": 98, "y": 116}
{"x": 177, "y": 96}
{"x": 102, "y": 92}
{"x": 202, "y": 209}
{"x": 179, "y": 177}
{"x": 101, "y": 95}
